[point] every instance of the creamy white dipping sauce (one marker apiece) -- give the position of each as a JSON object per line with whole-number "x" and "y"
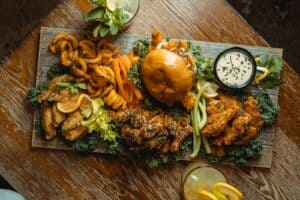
{"x": 234, "y": 69}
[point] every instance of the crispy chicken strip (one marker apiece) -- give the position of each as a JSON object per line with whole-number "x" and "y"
{"x": 52, "y": 88}
{"x": 216, "y": 123}
{"x": 255, "y": 124}
{"x": 75, "y": 133}
{"x": 47, "y": 121}
{"x": 58, "y": 117}
{"x": 71, "y": 128}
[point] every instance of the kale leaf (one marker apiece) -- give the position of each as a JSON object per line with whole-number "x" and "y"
{"x": 56, "y": 70}
{"x": 87, "y": 143}
{"x": 134, "y": 74}
{"x": 140, "y": 47}
{"x": 152, "y": 161}
{"x": 34, "y": 93}
{"x": 119, "y": 146}
{"x": 204, "y": 64}
{"x": 267, "y": 108}
{"x": 239, "y": 154}
{"x": 274, "y": 65}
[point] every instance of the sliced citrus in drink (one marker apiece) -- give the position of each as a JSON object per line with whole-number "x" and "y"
{"x": 205, "y": 195}
{"x": 229, "y": 191}
{"x": 200, "y": 178}
{"x": 219, "y": 195}
{"x": 74, "y": 103}
{"x": 113, "y": 4}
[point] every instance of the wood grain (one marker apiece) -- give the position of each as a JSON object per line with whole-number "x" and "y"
{"x": 47, "y": 174}
{"x": 210, "y": 49}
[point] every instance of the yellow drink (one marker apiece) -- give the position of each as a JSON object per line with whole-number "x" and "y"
{"x": 200, "y": 177}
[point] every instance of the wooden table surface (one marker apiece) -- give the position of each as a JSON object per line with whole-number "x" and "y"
{"x": 47, "y": 174}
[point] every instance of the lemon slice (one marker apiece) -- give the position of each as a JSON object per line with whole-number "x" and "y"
{"x": 86, "y": 107}
{"x": 229, "y": 191}
{"x": 113, "y": 4}
{"x": 219, "y": 195}
{"x": 205, "y": 195}
{"x": 263, "y": 76}
{"x": 211, "y": 91}
{"x": 73, "y": 103}
{"x": 200, "y": 178}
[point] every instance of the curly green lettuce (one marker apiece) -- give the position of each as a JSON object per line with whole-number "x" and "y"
{"x": 99, "y": 122}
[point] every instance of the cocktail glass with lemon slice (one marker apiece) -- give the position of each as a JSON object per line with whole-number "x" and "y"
{"x": 203, "y": 182}
{"x": 130, "y": 8}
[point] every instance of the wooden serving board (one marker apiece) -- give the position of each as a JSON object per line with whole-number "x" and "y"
{"x": 209, "y": 49}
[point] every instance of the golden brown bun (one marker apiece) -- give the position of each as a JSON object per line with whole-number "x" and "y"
{"x": 166, "y": 76}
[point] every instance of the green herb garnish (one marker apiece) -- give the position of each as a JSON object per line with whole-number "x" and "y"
{"x": 274, "y": 65}
{"x": 87, "y": 143}
{"x": 110, "y": 22}
{"x": 267, "y": 108}
{"x": 204, "y": 64}
{"x": 34, "y": 93}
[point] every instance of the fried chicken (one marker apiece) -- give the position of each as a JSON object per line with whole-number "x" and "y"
{"x": 220, "y": 115}
{"x": 72, "y": 128}
{"x": 251, "y": 107}
{"x": 52, "y": 93}
{"x": 231, "y": 123}
{"x": 52, "y": 118}
{"x": 47, "y": 119}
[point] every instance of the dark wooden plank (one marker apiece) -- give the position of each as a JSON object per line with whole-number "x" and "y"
{"x": 47, "y": 174}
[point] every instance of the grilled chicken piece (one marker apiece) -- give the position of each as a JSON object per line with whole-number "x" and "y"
{"x": 75, "y": 133}
{"x": 155, "y": 143}
{"x": 152, "y": 130}
{"x": 58, "y": 117}
{"x": 71, "y": 128}
{"x": 59, "y": 95}
{"x": 181, "y": 134}
{"x": 47, "y": 121}
{"x": 52, "y": 88}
